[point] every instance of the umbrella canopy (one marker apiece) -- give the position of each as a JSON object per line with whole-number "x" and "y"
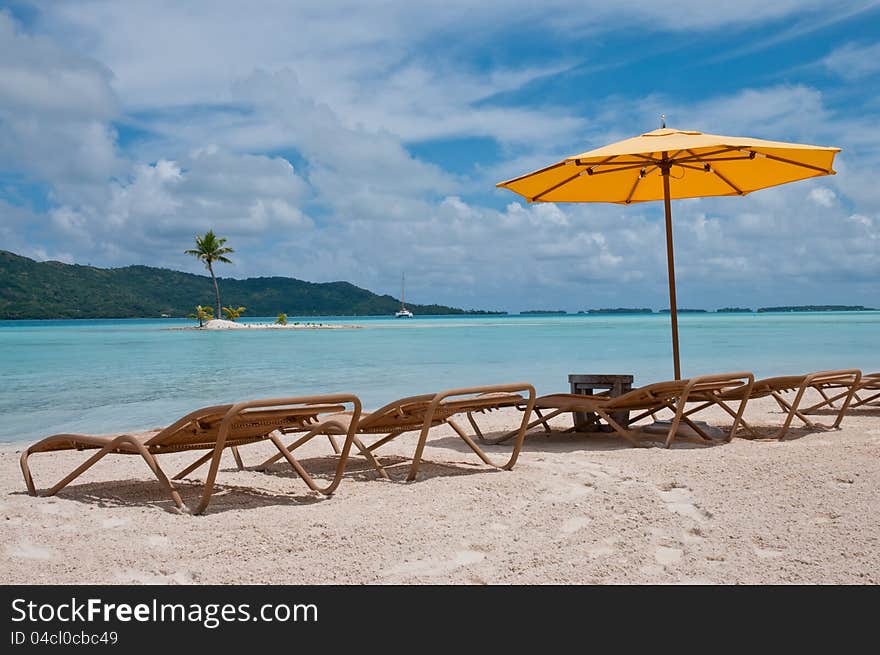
{"x": 667, "y": 164}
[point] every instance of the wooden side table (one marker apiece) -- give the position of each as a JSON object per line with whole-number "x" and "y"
{"x": 616, "y": 385}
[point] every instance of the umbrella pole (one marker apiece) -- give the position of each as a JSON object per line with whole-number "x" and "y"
{"x": 670, "y": 260}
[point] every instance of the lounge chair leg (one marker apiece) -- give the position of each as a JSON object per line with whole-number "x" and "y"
{"x": 542, "y": 421}
{"x": 159, "y": 473}
{"x": 539, "y": 421}
{"x": 792, "y": 412}
{"x": 237, "y": 456}
{"x": 417, "y": 456}
{"x": 846, "y": 403}
{"x": 473, "y": 422}
{"x": 300, "y": 471}
{"x": 79, "y": 470}
{"x": 26, "y": 471}
{"x": 296, "y": 444}
{"x": 192, "y": 467}
{"x": 470, "y": 442}
{"x": 370, "y": 458}
{"x": 629, "y": 435}
{"x": 334, "y": 444}
{"x": 94, "y": 459}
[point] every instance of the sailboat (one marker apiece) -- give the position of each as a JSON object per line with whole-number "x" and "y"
{"x": 403, "y": 312}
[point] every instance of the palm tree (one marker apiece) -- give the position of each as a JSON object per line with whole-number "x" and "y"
{"x": 209, "y": 249}
{"x": 203, "y": 314}
{"x": 233, "y": 313}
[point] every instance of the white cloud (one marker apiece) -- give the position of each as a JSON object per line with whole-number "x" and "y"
{"x": 822, "y": 196}
{"x": 854, "y": 61}
{"x": 154, "y": 214}
{"x": 54, "y": 110}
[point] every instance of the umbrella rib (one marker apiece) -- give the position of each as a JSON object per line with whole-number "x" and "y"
{"x": 824, "y": 171}
{"x": 566, "y": 180}
{"x": 633, "y": 189}
{"x": 722, "y": 159}
{"x": 729, "y": 183}
{"x": 692, "y": 156}
{"x": 522, "y": 177}
{"x": 554, "y": 187}
{"x": 616, "y": 170}
{"x": 723, "y": 179}
{"x": 690, "y": 166}
{"x": 635, "y": 185}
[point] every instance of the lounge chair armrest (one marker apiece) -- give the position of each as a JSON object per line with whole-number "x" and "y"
{"x": 515, "y": 387}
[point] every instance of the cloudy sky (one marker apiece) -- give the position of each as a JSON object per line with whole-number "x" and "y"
{"x": 350, "y": 140}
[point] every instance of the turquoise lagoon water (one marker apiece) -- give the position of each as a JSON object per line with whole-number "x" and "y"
{"x": 109, "y": 375}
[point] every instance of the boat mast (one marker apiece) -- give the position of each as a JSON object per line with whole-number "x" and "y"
{"x": 402, "y": 291}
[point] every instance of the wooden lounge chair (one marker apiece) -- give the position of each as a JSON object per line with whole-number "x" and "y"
{"x": 868, "y": 387}
{"x": 799, "y": 384}
{"x": 421, "y": 413}
{"x": 210, "y": 428}
{"x": 649, "y": 400}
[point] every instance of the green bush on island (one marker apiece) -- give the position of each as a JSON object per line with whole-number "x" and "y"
{"x": 233, "y": 313}
{"x": 281, "y": 320}
{"x": 203, "y": 314}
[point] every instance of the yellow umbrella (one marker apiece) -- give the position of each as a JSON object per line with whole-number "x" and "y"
{"x": 666, "y": 164}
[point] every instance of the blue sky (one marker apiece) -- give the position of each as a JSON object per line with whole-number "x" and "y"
{"x": 351, "y": 140}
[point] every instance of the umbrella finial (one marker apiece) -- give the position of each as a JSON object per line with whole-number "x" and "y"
{"x": 662, "y": 121}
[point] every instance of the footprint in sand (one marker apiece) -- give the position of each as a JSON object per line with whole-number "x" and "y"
{"x": 603, "y": 549}
{"x": 155, "y": 577}
{"x": 434, "y": 567}
{"x": 114, "y": 522}
{"x": 767, "y": 553}
{"x": 50, "y": 508}
{"x": 29, "y": 551}
{"x": 666, "y": 555}
{"x": 572, "y": 525}
{"x": 565, "y": 491}
{"x": 679, "y": 500}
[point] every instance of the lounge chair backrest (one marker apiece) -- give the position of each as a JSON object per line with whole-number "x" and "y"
{"x": 410, "y": 413}
{"x": 649, "y": 395}
{"x": 200, "y": 429}
{"x": 652, "y": 395}
{"x": 719, "y": 383}
{"x": 845, "y": 377}
{"x": 783, "y": 383}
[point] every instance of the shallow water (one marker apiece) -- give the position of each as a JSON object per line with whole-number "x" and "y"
{"x": 109, "y": 375}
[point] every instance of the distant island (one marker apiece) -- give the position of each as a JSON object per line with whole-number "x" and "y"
{"x": 817, "y": 308}
{"x": 37, "y": 290}
{"x": 544, "y": 311}
{"x": 620, "y": 310}
{"x": 685, "y": 311}
{"x": 734, "y": 310}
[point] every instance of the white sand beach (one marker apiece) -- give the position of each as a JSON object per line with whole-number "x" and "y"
{"x": 576, "y": 509}
{"x": 222, "y": 324}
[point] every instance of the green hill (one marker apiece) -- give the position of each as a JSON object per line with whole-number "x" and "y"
{"x": 30, "y": 289}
